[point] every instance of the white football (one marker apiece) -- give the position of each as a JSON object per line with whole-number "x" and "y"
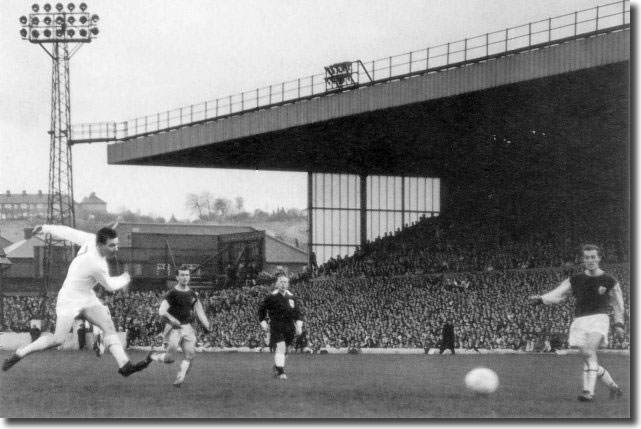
{"x": 482, "y": 380}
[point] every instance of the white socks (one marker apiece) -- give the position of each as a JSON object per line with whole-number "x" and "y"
{"x": 112, "y": 342}
{"x": 184, "y": 367}
{"x": 42, "y": 343}
{"x": 605, "y": 377}
{"x": 279, "y": 355}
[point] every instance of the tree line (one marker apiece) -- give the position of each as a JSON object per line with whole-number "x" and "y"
{"x": 207, "y": 207}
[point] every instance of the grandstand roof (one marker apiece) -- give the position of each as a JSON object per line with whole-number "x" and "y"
{"x": 409, "y": 126}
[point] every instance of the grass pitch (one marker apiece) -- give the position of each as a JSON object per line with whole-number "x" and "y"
{"x": 69, "y": 384}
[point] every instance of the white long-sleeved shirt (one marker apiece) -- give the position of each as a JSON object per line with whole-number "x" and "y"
{"x": 89, "y": 267}
{"x": 559, "y": 294}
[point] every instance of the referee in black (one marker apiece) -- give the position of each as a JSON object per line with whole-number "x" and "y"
{"x": 285, "y": 321}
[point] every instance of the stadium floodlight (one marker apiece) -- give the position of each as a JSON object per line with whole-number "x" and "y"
{"x": 54, "y": 29}
{"x": 339, "y": 75}
{"x": 74, "y": 24}
{"x": 35, "y": 7}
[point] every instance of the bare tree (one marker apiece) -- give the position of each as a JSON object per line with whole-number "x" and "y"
{"x": 240, "y": 204}
{"x": 207, "y": 203}
{"x": 222, "y": 206}
{"x": 193, "y": 204}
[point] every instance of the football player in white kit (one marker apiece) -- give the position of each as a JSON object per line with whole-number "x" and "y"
{"x": 76, "y": 297}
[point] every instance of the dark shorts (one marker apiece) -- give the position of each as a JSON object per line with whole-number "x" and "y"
{"x": 280, "y": 333}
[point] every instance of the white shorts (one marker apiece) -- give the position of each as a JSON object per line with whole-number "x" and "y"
{"x": 71, "y": 303}
{"x": 582, "y": 326}
{"x": 179, "y": 336}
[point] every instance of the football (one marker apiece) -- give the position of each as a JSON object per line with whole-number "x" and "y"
{"x": 482, "y": 381}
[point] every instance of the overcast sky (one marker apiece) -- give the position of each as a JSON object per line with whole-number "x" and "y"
{"x": 156, "y": 56}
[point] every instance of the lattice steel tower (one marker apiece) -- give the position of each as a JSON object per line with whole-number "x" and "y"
{"x": 54, "y": 29}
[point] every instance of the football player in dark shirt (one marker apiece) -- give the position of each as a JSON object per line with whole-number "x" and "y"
{"x": 594, "y": 292}
{"x": 285, "y": 321}
{"x": 179, "y": 309}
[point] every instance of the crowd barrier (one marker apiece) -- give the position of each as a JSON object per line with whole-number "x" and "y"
{"x": 13, "y": 340}
{"x": 392, "y": 351}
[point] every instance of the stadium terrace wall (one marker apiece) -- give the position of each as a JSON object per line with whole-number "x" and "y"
{"x": 12, "y": 340}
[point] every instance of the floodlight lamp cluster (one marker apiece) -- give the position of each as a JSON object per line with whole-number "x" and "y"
{"x": 58, "y": 23}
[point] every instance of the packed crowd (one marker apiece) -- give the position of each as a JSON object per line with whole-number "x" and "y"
{"x": 489, "y": 310}
{"x": 434, "y": 245}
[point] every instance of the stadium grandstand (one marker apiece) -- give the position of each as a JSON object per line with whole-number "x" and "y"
{"x": 448, "y": 191}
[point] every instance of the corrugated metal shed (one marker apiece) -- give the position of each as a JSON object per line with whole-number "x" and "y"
{"x": 278, "y": 252}
{"x": 125, "y": 229}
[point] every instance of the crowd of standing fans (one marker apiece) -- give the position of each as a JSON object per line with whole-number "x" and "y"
{"x": 489, "y": 310}
{"x": 435, "y": 245}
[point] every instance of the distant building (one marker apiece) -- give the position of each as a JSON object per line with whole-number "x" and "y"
{"x": 22, "y": 206}
{"x": 25, "y": 275}
{"x": 26, "y": 206}
{"x": 4, "y": 242}
{"x": 151, "y": 252}
{"x": 92, "y": 204}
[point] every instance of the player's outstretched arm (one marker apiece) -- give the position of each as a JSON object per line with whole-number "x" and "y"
{"x": 65, "y": 233}
{"x": 555, "y": 296}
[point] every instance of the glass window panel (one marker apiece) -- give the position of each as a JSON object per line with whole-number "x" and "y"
{"x": 398, "y": 195}
{"x": 429, "y": 197}
{"x": 420, "y": 194}
{"x": 436, "y": 198}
